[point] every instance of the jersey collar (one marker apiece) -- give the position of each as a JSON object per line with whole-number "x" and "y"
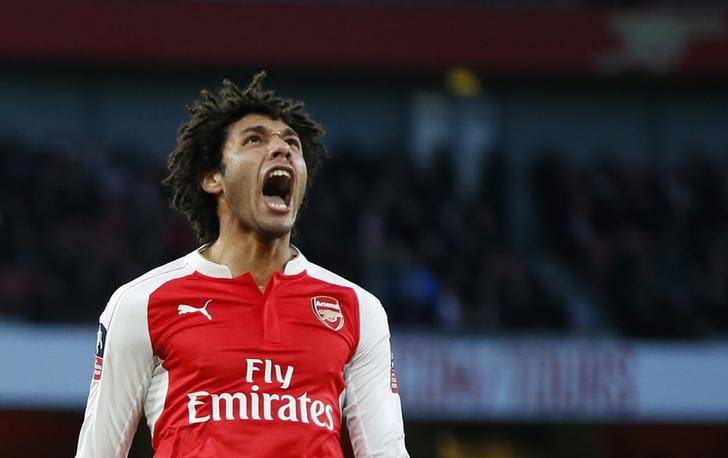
{"x": 213, "y": 269}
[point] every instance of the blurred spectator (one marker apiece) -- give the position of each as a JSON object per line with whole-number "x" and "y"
{"x": 652, "y": 249}
{"x": 76, "y": 229}
{"x": 652, "y": 246}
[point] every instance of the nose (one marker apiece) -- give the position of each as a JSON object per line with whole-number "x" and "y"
{"x": 277, "y": 147}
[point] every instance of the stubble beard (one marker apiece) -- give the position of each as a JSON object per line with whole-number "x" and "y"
{"x": 272, "y": 231}
{"x": 250, "y": 219}
{"x": 266, "y": 229}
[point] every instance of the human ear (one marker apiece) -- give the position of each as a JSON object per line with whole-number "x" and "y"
{"x": 212, "y": 182}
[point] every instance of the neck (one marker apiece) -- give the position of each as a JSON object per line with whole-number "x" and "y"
{"x": 246, "y": 251}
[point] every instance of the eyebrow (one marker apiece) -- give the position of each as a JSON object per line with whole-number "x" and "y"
{"x": 287, "y": 132}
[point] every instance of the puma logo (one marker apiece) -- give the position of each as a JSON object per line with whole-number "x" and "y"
{"x": 182, "y": 309}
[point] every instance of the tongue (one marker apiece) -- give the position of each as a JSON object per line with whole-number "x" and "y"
{"x": 274, "y": 199}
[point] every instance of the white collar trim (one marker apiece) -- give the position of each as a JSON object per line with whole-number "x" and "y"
{"x": 213, "y": 269}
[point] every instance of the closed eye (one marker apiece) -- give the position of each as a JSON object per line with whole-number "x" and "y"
{"x": 293, "y": 142}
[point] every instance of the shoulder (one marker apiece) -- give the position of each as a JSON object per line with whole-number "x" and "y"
{"x": 366, "y": 298}
{"x": 373, "y": 316}
{"x": 132, "y": 297}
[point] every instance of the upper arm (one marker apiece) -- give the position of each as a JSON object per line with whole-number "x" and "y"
{"x": 372, "y": 405}
{"x": 116, "y": 394}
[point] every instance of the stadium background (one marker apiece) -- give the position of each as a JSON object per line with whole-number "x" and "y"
{"x": 537, "y": 191}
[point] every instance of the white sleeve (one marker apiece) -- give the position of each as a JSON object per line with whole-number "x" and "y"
{"x": 371, "y": 404}
{"x": 122, "y": 371}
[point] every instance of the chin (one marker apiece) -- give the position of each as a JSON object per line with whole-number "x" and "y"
{"x": 274, "y": 230}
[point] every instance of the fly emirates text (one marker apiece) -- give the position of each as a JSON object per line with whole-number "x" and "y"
{"x": 257, "y": 405}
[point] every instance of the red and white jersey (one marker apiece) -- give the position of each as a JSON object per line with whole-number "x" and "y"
{"x": 223, "y": 370}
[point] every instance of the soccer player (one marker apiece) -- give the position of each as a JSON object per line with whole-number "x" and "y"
{"x": 243, "y": 348}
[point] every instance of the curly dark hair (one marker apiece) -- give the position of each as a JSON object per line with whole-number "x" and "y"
{"x": 199, "y": 146}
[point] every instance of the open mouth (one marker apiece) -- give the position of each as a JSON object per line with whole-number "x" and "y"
{"x": 277, "y": 189}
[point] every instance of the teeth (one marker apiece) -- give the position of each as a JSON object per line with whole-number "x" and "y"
{"x": 280, "y": 173}
{"x": 275, "y": 205}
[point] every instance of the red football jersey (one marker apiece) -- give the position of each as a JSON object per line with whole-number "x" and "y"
{"x": 222, "y": 369}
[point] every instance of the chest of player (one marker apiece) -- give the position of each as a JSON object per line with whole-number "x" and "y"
{"x": 212, "y": 328}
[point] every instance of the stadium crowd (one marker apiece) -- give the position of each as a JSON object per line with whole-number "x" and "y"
{"x": 651, "y": 245}
{"x": 651, "y": 249}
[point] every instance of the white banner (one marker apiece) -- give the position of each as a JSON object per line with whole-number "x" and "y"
{"x": 447, "y": 378}
{"x": 561, "y": 379}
